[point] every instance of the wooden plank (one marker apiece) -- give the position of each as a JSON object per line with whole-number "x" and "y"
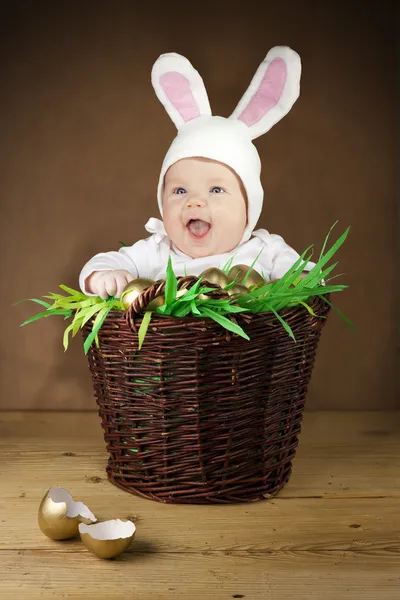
{"x": 218, "y": 576}
{"x": 333, "y": 533}
{"x": 319, "y": 475}
{"x": 345, "y": 455}
{"x": 257, "y": 525}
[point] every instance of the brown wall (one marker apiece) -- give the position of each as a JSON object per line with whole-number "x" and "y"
{"x": 82, "y": 140}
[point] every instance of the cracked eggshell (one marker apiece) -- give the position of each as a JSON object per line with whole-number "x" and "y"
{"x": 59, "y": 515}
{"x": 107, "y": 539}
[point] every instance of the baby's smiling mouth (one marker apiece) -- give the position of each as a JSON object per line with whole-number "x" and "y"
{"x": 198, "y": 228}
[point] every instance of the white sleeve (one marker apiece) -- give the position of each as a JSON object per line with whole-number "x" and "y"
{"x": 284, "y": 257}
{"x": 137, "y": 259}
{"x": 278, "y": 257}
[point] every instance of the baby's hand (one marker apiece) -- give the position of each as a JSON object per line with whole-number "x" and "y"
{"x": 108, "y": 283}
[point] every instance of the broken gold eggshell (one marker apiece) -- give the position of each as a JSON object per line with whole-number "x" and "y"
{"x": 59, "y": 515}
{"x": 214, "y": 275}
{"x": 133, "y": 289}
{"x": 107, "y": 539}
{"x": 239, "y": 272}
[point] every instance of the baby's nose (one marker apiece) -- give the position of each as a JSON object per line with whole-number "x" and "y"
{"x": 196, "y": 202}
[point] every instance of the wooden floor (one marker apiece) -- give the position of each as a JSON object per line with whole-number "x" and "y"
{"x": 333, "y": 533}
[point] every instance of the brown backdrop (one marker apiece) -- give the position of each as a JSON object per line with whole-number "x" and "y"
{"x": 83, "y": 136}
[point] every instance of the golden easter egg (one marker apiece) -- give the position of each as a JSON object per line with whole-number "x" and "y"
{"x": 181, "y": 292}
{"x": 133, "y": 289}
{"x": 108, "y": 539}
{"x": 154, "y": 304}
{"x": 205, "y": 296}
{"x": 238, "y": 290}
{"x": 59, "y": 515}
{"x": 216, "y": 276}
{"x": 238, "y": 273}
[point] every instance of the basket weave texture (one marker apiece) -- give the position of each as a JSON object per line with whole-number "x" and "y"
{"x": 200, "y": 415}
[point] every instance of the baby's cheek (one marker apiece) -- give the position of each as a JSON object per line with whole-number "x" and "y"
{"x": 172, "y": 224}
{"x": 232, "y": 216}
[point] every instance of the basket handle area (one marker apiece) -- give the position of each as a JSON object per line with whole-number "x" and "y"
{"x": 140, "y": 303}
{"x": 158, "y": 289}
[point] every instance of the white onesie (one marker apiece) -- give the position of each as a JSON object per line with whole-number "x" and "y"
{"x": 149, "y": 257}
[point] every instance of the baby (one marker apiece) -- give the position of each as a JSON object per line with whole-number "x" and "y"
{"x": 209, "y": 191}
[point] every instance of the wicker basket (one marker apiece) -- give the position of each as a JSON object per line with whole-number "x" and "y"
{"x": 200, "y": 415}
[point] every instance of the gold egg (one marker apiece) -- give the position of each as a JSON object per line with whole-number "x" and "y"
{"x": 239, "y": 272}
{"x": 133, "y": 289}
{"x": 159, "y": 301}
{"x": 59, "y": 515}
{"x": 108, "y": 539}
{"x": 181, "y": 292}
{"x": 238, "y": 290}
{"x": 266, "y": 285}
{"x": 214, "y": 275}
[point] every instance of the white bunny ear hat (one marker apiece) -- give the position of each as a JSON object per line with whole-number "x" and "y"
{"x": 271, "y": 94}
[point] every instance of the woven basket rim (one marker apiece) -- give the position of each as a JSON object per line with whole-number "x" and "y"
{"x": 314, "y": 301}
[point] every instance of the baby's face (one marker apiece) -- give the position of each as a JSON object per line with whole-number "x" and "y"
{"x": 204, "y": 207}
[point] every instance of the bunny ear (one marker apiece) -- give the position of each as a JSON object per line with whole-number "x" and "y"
{"x": 272, "y": 92}
{"x": 180, "y": 88}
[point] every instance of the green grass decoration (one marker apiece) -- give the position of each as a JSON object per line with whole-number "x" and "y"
{"x": 250, "y": 268}
{"x": 226, "y": 268}
{"x": 98, "y": 322}
{"x": 345, "y": 319}
{"x": 327, "y": 238}
{"x": 287, "y": 327}
{"x": 171, "y": 285}
{"x": 289, "y": 291}
{"x": 314, "y": 276}
{"x": 143, "y": 328}
{"x": 194, "y": 308}
{"x": 79, "y": 306}
{"x": 208, "y": 312}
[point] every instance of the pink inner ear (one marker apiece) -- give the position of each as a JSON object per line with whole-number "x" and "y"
{"x": 268, "y": 93}
{"x": 177, "y": 89}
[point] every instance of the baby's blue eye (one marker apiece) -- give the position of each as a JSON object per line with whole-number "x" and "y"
{"x": 217, "y": 190}
{"x": 180, "y": 191}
